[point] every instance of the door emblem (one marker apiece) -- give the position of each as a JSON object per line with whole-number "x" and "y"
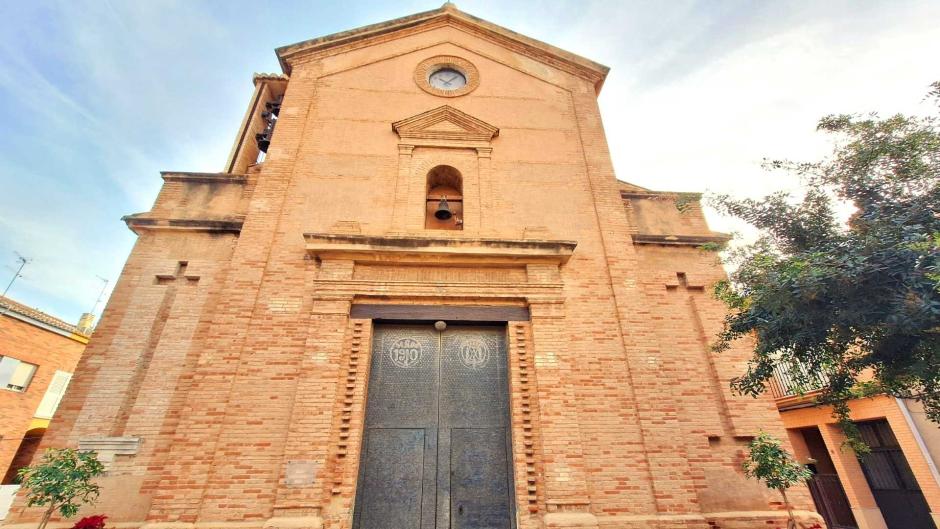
{"x": 473, "y": 353}
{"x": 405, "y": 353}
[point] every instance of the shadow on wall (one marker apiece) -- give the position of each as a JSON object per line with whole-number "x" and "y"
{"x": 24, "y": 454}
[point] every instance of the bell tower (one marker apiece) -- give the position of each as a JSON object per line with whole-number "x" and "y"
{"x": 257, "y": 128}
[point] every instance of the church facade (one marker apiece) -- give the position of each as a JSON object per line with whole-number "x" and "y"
{"x": 418, "y": 297}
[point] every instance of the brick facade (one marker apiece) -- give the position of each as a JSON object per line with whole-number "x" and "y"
{"x": 229, "y": 350}
{"x": 39, "y": 339}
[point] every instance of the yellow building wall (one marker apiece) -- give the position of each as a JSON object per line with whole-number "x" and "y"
{"x": 846, "y": 462}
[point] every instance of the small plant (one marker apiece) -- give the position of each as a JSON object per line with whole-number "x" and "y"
{"x": 61, "y": 481}
{"x": 769, "y": 462}
{"x": 91, "y": 522}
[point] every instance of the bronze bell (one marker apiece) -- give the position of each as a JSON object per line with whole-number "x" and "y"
{"x": 443, "y": 210}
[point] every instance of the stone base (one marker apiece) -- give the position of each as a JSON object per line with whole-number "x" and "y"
{"x": 299, "y": 522}
{"x": 570, "y": 519}
{"x": 578, "y": 520}
{"x": 713, "y": 520}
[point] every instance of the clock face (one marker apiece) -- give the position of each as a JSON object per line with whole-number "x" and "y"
{"x": 447, "y": 79}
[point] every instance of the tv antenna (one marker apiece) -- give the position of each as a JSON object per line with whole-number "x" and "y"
{"x": 19, "y": 272}
{"x": 104, "y": 287}
{"x": 16, "y": 275}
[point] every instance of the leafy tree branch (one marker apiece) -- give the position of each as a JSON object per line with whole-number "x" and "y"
{"x": 62, "y": 480}
{"x": 858, "y": 301}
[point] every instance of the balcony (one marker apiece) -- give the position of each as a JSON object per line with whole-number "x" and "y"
{"x": 795, "y": 385}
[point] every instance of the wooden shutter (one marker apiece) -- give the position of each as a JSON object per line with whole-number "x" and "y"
{"x": 54, "y": 393}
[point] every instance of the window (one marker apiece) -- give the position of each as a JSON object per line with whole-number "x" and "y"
{"x": 14, "y": 374}
{"x": 444, "y": 201}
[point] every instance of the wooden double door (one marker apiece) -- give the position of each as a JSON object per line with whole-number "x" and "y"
{"x": 436, "y": 449}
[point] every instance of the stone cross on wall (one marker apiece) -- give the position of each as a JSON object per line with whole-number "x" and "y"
{"x": 180, "y": 278}
{"x": 690, "y": 293}
{"x": 166, "y": 279}
{"x": 173, "y": 282}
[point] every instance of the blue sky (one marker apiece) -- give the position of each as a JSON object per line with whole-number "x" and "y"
{"x": 99, "y": 96}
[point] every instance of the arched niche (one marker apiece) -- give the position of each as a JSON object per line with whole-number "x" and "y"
{"x": 444, "y": 188}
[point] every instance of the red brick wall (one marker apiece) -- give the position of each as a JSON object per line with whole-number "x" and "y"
{"x": 48, "y": 350}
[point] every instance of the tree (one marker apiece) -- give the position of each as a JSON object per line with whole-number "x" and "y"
{"x": 62, "y": 480}
{"x": 769, "y": 462}
{"x": 856, "y": 300}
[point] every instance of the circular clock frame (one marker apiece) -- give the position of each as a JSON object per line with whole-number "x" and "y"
{"x": 431, "y": 65}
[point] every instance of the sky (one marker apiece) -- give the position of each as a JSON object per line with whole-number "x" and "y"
{"x": 100, "y": 96}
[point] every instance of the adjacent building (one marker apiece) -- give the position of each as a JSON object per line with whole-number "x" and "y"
{"x": 38, "y": 354}
{"x": 895, "y": 486}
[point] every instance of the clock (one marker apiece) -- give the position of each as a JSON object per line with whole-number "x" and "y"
{"x": 447, "y": 79}
{"x": 447, "y": 76}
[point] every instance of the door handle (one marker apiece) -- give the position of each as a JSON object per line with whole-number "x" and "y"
{"x": 460, "y": 510}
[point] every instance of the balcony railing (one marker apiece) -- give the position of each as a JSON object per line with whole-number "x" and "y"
{"x": 791, "y": 380}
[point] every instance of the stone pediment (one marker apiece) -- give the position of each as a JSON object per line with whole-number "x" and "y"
{"x": 444, "y": 123}
{"x": 446, "y": 15}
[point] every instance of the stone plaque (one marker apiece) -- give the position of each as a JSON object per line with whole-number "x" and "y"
{"x": 300, "y": 473}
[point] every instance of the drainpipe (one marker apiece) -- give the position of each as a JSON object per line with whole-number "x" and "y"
{"x": 919, "y": 439}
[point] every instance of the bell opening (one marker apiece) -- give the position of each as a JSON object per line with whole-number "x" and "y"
{"x": 444, "y": 205}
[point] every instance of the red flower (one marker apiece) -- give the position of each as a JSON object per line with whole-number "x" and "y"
{"x": 91, "y": 522}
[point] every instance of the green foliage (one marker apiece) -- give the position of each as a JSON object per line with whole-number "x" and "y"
{"x": 770, "y": 463}
{"x": 847, "y": 299}
{"x": 712, "y": 247}
{"x": 685, "y": 201}
{"x": 61, "y": 480}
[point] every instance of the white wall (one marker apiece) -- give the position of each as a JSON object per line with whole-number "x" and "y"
{"x": 7, "y": 492}
{"x": 928, "y": 429}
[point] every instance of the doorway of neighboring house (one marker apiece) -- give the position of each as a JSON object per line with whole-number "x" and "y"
{"x": 826, "y": 488}
{"x": 891, "y": 481}
{"x": 24, "y": 454}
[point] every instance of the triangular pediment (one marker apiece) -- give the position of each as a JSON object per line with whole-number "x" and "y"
{"x": 445, "y": 123}
{"x": 446, "y": 15}
{"x": 445, "y": 126}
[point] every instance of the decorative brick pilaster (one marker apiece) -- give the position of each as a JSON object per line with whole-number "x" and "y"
{"x": 527, "y": 440}
{"x": 305, "y": 470}
{"x": 346, "y": 430}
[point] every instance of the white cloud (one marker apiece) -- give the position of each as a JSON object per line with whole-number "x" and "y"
{"x": 711, "y": 128}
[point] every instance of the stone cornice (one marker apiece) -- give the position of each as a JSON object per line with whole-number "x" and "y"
{"x": 141, "y": 221}
{"x": 422, "y": 127}
{"x": 680, "y": 240}
{"x": 261, "y": 77}
{"x": 204, "y": 178}
{"x": 444, "y": 16}
{"x": 436, "y": 250}
{"x": 659, "y": 195}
